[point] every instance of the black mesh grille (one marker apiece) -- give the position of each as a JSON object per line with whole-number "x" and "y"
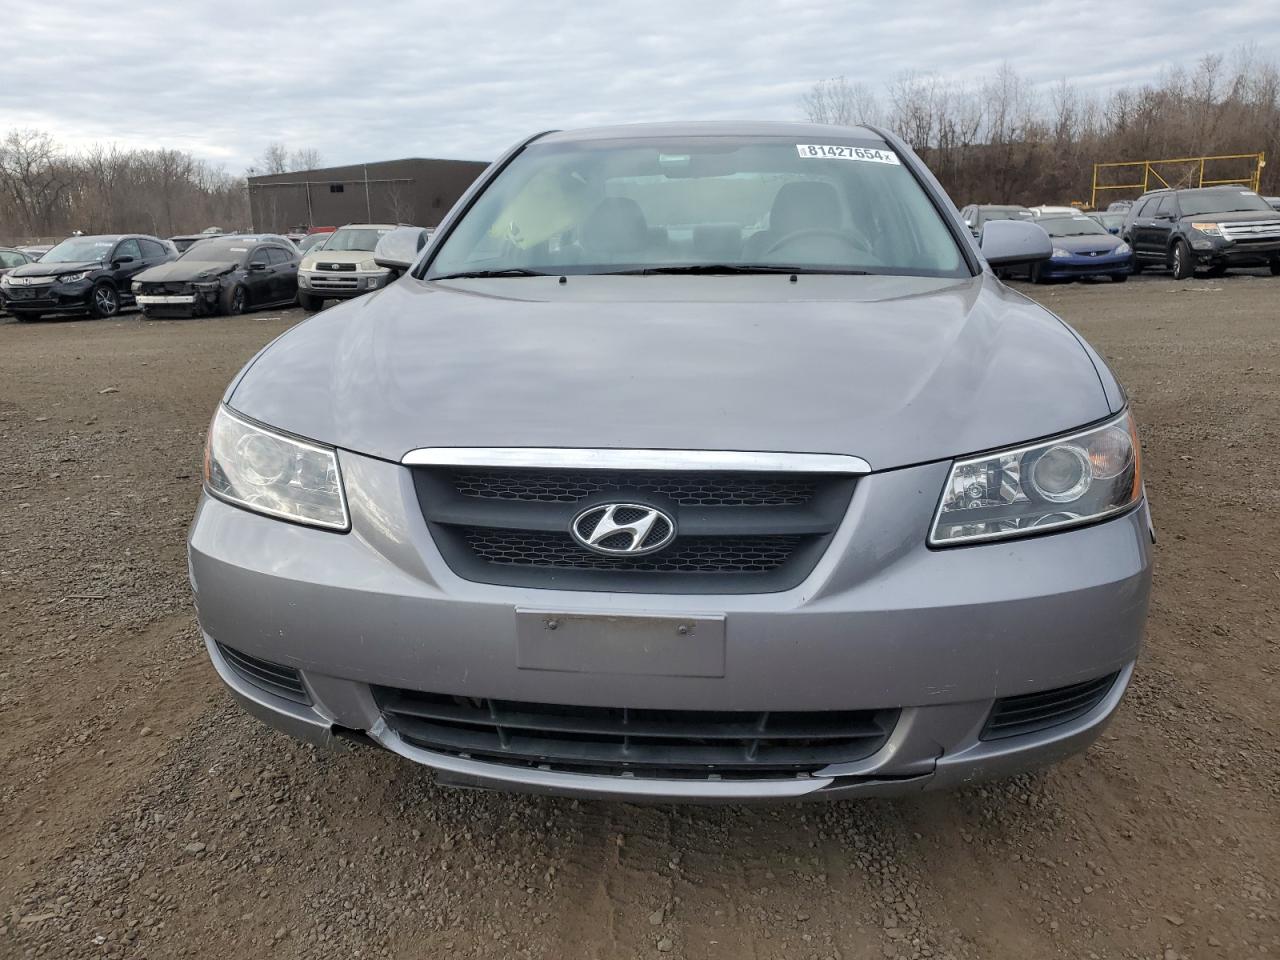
{"x": 650, "y": 743}
{"x": 272, "y": 677}
{"x": 694, "y": 489}
{"x": 692, "y": 555}
{"x": 734, "y": 532}
{"x": 1032, "y": 712}
{"x": 175, "y": 287}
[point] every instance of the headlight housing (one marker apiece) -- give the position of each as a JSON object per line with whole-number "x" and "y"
{"x": 1123, "y": 248}
{"x": 274, "y": 474}
{"x": 1075, "y": 479}
{"x": 368, "y": 266}
{"x": 72, "y": 277}
{"x": 1059, "y": 252}
{"x": 1208, "y": 229}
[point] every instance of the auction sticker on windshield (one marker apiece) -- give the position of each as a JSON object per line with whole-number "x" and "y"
{"x": 837, "y": 152}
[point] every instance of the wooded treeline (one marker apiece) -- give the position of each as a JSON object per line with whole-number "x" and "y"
{"x": 47, "y": 192}
{"x": 1008, "y": 140}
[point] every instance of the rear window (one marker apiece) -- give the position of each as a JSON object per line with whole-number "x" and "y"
{"x": 629, "y": 205}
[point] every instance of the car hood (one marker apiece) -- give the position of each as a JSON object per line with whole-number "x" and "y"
{"x": 1090, "y": 243}
{"x": 1233, "y": 217}
{"x": 339, "y": 256}
{"x": 178, "y": 270}
{"x": 896, "y": 370}
{"x": 54, "y": 269}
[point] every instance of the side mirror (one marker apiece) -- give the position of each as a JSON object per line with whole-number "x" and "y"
{"x": 122, "y": 260}
{"x": 257, "y": 265}
{"x": 399, "y": 248}
{"x": 1007, "y": 243}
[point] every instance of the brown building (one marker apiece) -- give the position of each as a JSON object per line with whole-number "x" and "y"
{"x": 413, "y": 191}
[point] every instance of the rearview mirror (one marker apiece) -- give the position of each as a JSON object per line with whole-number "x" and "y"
{"x": 399, "y": 248}
{"x": 1007, "y": 243}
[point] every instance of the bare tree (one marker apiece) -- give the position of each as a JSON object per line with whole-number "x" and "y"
{"x": 278, "y": 158}
{"x": 840, "y": 102}
{"x": 33, "y": 175}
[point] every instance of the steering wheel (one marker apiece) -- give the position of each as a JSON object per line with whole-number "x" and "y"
{"x": 794, "y": 235}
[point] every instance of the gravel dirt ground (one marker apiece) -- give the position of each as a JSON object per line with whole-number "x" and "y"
{"x": 142, "y": 815}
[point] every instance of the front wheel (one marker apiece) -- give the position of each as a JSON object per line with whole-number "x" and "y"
{"x": 233, "y": 301}
{"x": 309, "y": 303}
{"x": 104, "y": 302}
{"x": 1181, "y": 262}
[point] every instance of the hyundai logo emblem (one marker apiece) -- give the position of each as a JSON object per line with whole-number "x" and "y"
{"x": 622, "y": 529}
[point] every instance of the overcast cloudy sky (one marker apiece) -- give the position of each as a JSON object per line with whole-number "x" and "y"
{"x": 466, "y": 79}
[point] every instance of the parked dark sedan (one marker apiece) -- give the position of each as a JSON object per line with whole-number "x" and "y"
{"x": 82, "y": 274}
{"x": 1082, "y": 247}
{"x": 226, "y": 275}
{"x": 10, "y": 258}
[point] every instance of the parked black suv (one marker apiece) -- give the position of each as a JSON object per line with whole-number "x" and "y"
{"x": 1214, "y": 227}
{"x": 82, "y": 273}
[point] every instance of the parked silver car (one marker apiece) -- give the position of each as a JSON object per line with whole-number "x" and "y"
{"x": 695, "y": 461}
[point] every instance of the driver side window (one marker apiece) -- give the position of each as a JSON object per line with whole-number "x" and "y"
{"x": 127, "y": 248}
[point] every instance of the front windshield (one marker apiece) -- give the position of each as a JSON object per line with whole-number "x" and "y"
{"x": 1004, "y": 213}
{"x": 633, "y": 205}
{"x": 218, "y": 251}
{"x": 1072, "y": 227}
{"x": 80, "y": 250}
{"x": 1221, "y": 201}
{"x": 356, "y": 238}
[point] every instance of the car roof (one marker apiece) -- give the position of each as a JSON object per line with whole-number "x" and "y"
{"x": 801, "y": 132}
{"x": 370, "y": 226}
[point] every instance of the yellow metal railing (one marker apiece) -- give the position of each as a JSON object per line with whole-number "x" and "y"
{"x": 1193, "y": 173}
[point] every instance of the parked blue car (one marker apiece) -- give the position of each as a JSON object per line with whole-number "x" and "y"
{"x": 1082, "y": 247}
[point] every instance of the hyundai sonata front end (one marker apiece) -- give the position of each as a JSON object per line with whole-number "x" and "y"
{"x": 703, "y": 462}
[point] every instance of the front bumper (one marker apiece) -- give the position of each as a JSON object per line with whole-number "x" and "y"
{"x": 1081, "y": 266}
{"x": 1216, "y": 251}
{"x": 48, "y": 298}
{"x": 882, "y": 622}
{"x": 341, "y": 284}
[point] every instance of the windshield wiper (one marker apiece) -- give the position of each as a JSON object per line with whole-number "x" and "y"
{"x": 730, "y": 268}
{"x": 482, "y": 274}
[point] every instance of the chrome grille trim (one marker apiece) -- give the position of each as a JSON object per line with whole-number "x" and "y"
{"x": 1244, "y": 230}
{"x": 626, "y": 459}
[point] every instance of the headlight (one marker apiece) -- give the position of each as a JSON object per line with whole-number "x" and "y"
{"x": 1123, "y": 248}
{"x": 1059, "y": 483}
{"x": 72, "y": 277}
{"x": 5, "y": 281}
{"x": 1208, "y": 229}
{"x": 307, "y": 265}
{"x": 136, "y": 287}
{"x": 368, "y": 266}
{"x": 270, "y": 473}
{"x": 1059, "y": 252}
